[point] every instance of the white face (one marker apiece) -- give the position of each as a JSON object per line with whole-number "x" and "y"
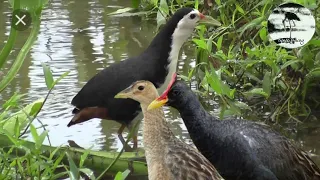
{"x": 190, "y": 21}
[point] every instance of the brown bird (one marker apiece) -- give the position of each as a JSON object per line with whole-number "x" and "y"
{"x": 167, "y": 157}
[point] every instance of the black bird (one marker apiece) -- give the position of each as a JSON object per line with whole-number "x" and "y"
{"x": 155, "y": 64}
{"x": 289, "y": 16}
{"x": 239, "y": 149}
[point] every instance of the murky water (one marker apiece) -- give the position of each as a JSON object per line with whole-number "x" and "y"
{"x": 81, "y": 38}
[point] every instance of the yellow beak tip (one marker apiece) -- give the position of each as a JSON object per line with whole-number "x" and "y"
{"x": 156, "y": 104}
{"x": 120, "y": 96}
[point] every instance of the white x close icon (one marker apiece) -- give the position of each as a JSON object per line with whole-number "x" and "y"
{"x": 20, "y": 19}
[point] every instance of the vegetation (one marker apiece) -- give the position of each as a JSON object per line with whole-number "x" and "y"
{"x": 237, "y": 66}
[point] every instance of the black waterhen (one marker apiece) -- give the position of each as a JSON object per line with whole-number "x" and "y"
{"x": 155, "y": 64}
{"x": 239, "y": 149}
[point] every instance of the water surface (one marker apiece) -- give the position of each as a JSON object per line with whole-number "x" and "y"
{"x": 81, "y": 38}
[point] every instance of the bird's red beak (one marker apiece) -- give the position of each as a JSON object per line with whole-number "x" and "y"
{"x": 163, "y": 99}
{"x": 201, "y": 16}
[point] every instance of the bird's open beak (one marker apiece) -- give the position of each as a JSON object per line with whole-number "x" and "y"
{"x": 124, "y": 94}
{"x": 157, "y": 103}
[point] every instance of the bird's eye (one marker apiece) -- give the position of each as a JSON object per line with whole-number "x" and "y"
{"x": 141, "y": 88}
{"x": 175, "y": 92}
{"x": 192, "y": 16}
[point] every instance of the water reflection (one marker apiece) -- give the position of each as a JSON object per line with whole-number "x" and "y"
{"x": 79, "y": 37}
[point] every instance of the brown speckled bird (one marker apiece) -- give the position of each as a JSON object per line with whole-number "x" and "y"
{"x": 167, "y": 157}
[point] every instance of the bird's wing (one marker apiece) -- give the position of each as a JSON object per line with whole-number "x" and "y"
{"x": 283, "y": 155}
{"x": 187, "y": 163}
{"x": 107, "y": 83}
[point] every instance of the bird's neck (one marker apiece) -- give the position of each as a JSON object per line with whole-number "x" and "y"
{"x": 179, "y": 37}
{"x": 156, "y": 132}
{"x": 194, "y": 115}
{"x": 166, "y": 45}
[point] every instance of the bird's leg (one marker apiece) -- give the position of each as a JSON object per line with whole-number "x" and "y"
{"x": 135, "y": 141}
{"x": 290, "y": 32}
{"x": 134, "y": 128}
{"x": 126, "y": 146}
{"x": 284, "y": 25}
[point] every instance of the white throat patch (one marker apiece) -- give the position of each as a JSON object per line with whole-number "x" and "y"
{"x": 180, "y": 35}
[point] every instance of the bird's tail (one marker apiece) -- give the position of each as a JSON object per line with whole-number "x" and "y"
{"x": 85, "y": 114}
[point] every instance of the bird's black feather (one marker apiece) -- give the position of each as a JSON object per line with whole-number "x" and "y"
{"x": 151, "y": 65}
{"x": 240, "y": 149}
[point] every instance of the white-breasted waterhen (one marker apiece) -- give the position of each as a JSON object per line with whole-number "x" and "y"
{"x": 156, "y": 64}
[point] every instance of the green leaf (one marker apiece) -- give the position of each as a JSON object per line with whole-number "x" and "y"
{"x": 61, "y": 77}
{"x": 209, "y": 43}
{"x": 13, "y": 101}
{"x": 263, "y": 34}
{"x": 120, "y": 11}
{"x": 14, "y": 140}
{"x": 196, "y": 4}
{"x": 17, "y": 128}
{"x": 242, "y": 105}
{"x": 290, "y": 62}
{"x": 235, "y": 109}
{"x": 88, "y": 172}
{"x": 22, "y": 116}
{"x": 254, "y": 23}
{"x": 214, "y": 82}
{"x": 123, "y": 175}
{"x": 58, "y": 160}
{"x": 31, "y": 5}
{"x": 48, "y": 76}
{"x": 84, "y": 157}
{"x": 154, "y": 2}
{"x": 219, "y": 42}
{"x": 256, "y": 91}
{"x": 307, "y": 56}
{"x": 41, "y": 138}
{"x": 118, "y": 176}
{"x": 315, "y": 42}
{"x": 74, "y": 171}
{"x": 34, "y": 133}
{"x": 185, "y": 78}
{"x": 239, "y": 8}
{"x": 164, "y": 8}
{"x": 60, "y": 175}
{"x": 200, "y": 43}
{"x": 160, "y": 19}
{"x": 162, "y": 13}
{"x": 313, "y": 75}
{"x": 266, "y": 83}
{"x": 135, "y": 3}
